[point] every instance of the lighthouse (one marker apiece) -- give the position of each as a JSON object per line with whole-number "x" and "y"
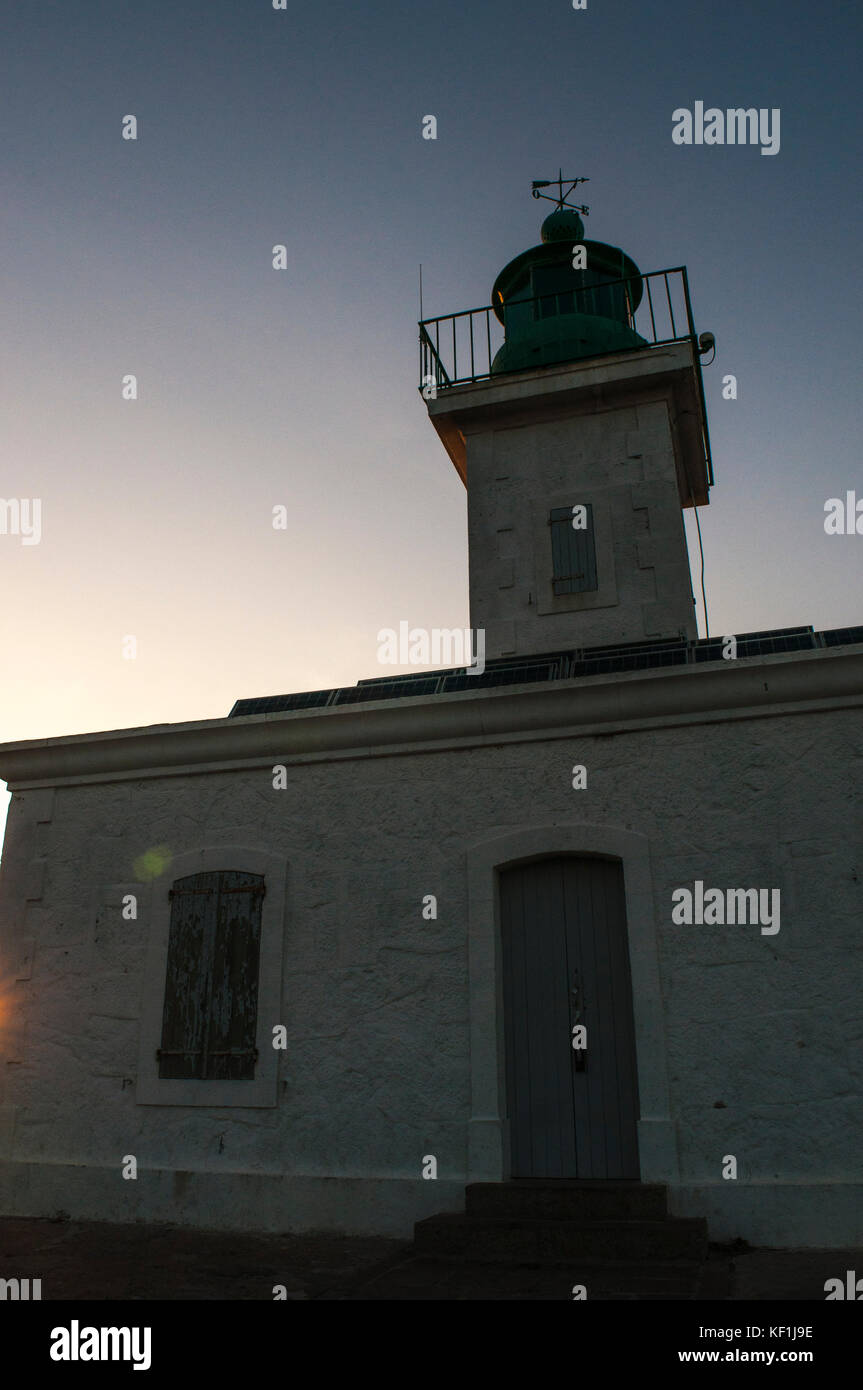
{"x": 573, "y": 409}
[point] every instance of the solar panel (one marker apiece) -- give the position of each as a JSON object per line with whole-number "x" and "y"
{"x": 842, "y": 636}
{"x": 510, "y": 674}
{"x": 551, "y": 666}
{"x": 767, "y": 644}
{"x": 389, "y": 690}
{"x": 405, "y": 677}
{"x": 279, "y": 704}
{"x": 631, "y": 648}
{"x": 756, "y": 643}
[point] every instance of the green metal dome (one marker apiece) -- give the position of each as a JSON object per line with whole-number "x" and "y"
{"x": 552, "y": 312}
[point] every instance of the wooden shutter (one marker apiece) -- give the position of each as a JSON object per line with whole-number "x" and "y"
{"x": 211, "y": 987}
{"x": 573, "y": 552}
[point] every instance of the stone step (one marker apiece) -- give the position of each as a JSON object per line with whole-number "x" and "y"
{"x": 567, "y": 1200}
{"x": 537, "y": 1241}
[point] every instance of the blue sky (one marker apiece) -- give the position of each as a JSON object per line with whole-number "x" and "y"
{"x": 298, "y": 387}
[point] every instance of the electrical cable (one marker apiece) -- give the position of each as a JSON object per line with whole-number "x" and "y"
{"x": 701, "y": 552}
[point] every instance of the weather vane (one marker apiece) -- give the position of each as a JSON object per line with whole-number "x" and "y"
{"x": 561, "y": 196}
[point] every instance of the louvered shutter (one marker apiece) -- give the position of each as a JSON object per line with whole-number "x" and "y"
{"x": 573, "y": 552}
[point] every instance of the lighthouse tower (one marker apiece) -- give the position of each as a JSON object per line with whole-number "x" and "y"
{"x": 581, "y": 439}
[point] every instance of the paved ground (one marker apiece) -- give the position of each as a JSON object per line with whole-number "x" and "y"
{"x": 94, "y": 1260}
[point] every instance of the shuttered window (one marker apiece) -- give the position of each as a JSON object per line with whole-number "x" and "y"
{"x": 573, "y": 549}
{"x": 211, "y": 989}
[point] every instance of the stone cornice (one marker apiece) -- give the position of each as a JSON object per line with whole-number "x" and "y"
{"x": 750, "y": 688}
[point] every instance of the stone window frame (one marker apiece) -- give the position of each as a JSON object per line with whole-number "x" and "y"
{"x": 566, "y": 553}
{"x": 605, "y": 595}
{"x": 261, "y": 1092}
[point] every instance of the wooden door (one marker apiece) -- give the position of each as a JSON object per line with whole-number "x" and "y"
{"x": 573, "y": 1114}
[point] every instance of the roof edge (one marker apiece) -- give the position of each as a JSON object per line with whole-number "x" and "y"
{"x": 798, "y": 681}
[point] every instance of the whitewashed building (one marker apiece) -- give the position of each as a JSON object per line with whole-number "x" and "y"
{"x": 593, "y": 913}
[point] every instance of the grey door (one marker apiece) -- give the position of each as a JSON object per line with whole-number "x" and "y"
{"x": 566, "y": 963}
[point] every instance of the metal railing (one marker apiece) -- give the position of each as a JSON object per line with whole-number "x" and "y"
{"x": 459, "y": 348}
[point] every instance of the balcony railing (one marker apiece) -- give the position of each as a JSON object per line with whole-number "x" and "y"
{"x": 459, "y": 348}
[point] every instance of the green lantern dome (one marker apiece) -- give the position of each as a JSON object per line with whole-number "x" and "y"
{"x": 554, "y": 312}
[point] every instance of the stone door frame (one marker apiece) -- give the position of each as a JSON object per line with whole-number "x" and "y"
{"x": 488, "y": 1136}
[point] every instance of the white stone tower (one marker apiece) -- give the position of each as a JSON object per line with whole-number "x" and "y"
{"x": 580, "y": 444}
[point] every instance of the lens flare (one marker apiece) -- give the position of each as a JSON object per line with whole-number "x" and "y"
{"x": 152, "y": 863}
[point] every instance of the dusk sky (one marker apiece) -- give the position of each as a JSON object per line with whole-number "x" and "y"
{"x": 260, "y": 387}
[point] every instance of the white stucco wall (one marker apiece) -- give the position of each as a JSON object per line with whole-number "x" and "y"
{"x": 386, "y": 1013}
